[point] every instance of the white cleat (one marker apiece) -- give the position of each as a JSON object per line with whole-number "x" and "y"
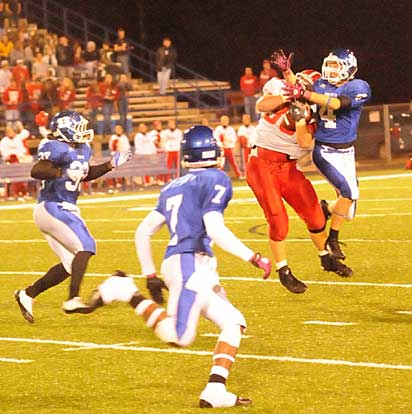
{"x": 118, "y": 287}
{"x": 215, "y": 395}
{"x": 25, "y": 303}
{"x": 75, "y": 305}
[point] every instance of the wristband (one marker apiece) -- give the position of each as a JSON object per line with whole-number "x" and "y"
{"x": 307, "y": 95}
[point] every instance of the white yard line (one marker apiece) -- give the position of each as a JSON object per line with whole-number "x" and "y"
{"x": 328, "y": 323}
{"x": 320, "y": 361}
{"x": 236, "y": 279}
{"x": 216, "y": 335}
{"x": 16, "y": 361}
{"x": 404, "y": 312}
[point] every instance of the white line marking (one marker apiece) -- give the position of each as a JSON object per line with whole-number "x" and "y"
{"x": 208, "y": 353}
{"x": 216, "y": 335}
{"x": 328, "y": 323}
{"x": 238, "y": 279}
{"x": 16, "y": 361}
{"x": 404, "y": 312}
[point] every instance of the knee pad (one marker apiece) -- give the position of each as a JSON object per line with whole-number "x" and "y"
{"x": 231, "y": 334}
{"x": 278, "y": 227}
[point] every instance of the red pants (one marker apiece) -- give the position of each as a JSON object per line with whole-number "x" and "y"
{"x": 246, "y": 153}
{"x": 274, "y": 178}
{"x": 172, "y": 160}
{"x": 228, "y": 152}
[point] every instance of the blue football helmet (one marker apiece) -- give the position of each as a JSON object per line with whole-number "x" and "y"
{"x": 339, "y": 66}
{"x": 200, "y": 148}
{"x": 71, "y": 127}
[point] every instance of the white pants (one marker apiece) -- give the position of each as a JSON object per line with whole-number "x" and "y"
{"x": 194, "y": 290}
{"x": 163, "y": 79}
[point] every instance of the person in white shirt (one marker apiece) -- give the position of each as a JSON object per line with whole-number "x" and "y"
{"x": 226, "y": 134}
{"x": 245, "y": 135}
{"x": 119, "y": 141}
{"x": 5, "y": 75}
{"x": 172, "y": 137}
{"x": 144, "y": 144}
{"x": 23, "y": 135}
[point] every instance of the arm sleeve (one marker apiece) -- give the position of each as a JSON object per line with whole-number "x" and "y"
{"x": 223, "y": 237}
{"x": 150, "y": 225}
{"x": 45, "y": 170}
{"x": 96, "y": 171}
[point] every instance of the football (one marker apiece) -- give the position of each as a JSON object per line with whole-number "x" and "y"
{"x": 289, "y": 123}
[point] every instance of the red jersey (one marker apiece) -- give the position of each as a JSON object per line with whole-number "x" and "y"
{"x": 94, "y": 99}
{"x": 248, "y": 85}
{"x": 12, "y": 98}
{"x": 20, "y": 74}
{"x": 65, "y": 97}
{"x": 109, "y": 92}
{"x": 34, "y": 91}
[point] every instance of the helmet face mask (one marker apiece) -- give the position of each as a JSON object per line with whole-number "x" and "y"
{"x": 71, "y": 127}
{"x": 307, "y": 78}
{"x": 339, "y": 66}
{"x": 200, "y": 148}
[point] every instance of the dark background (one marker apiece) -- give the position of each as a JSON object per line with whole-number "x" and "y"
{"x": 219, "y": 38}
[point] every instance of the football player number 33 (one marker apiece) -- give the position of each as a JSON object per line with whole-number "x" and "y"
{"x": 173, "y": 204}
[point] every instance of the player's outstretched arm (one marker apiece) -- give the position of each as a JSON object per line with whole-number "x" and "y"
{"x": 118, "y": 158}
{"x": 225, "y": 239}
{"x": 151, "y": 224}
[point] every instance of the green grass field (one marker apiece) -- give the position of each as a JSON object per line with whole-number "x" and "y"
{"x": 290, "y": 363}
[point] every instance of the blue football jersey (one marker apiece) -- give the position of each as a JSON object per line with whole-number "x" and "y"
{"x": 185, "y": 201}
{"x": 340, "y": 126}
{"x": 64, "y": 156}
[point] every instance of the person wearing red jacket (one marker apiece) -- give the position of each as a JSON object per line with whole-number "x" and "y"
{"x": 249, "y": 88}
{"x": 266, "y": 73}
{"x": 66, "y": 94}
{"x": 12, "y": 99}
{"x": 20, "y": 72}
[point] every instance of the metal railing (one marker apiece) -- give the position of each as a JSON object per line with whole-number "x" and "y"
{"x": 64, "y": 21}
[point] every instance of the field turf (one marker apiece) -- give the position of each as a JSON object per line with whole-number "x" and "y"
{"x": 342, "y": 347}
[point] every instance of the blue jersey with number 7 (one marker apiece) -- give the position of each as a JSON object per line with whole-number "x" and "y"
{"x": 65, "y": 157}
{"x": 340, "y": 126}
{"x": 185, "y": 201}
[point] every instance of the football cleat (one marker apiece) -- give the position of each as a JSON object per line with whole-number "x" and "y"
{"x": 324, "y": 206}
{"x": 330, "y": 263}
{"x": 25, "y": 303}
{"x": 333, "y": 247}
{"x": 75, "y": 305}
{"x": 289, "y": 281}
{"x": 118, "y": 287}
{"x": 215, "y": 395}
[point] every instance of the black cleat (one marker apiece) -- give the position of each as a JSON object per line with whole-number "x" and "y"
{"x": 330, "y": 263}
{"x": 333, "y": 247}
{"x": 289, "y": 281}
{"x": 324, "y": 206}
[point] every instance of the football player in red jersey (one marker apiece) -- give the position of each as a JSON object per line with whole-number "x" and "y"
{"x": 285, "y": 134}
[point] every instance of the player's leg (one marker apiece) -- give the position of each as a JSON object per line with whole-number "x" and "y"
{"x": 338, "y": 166}
{"x": 231, "y": 323}
{"x": 263, "y": 178}
{"x": 301, "y": 196}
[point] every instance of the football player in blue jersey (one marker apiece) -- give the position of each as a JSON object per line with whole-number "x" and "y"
{"x": 339, "y": 98}
{"x": 192, "y": 207}
{"x": 63, "y": 165}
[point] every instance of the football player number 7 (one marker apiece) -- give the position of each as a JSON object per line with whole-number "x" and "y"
{"x": 173, "y": 204}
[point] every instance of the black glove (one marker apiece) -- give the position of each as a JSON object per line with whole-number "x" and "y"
{"x": 298, "y": 110}
{"x": 155, "y": 286}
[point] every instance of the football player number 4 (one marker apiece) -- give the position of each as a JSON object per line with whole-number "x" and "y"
{"x": 328, "y": 115}
{"x": 173, "y": 204}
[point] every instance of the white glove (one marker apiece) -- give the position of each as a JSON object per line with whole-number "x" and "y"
{"x": 120, "y": 157}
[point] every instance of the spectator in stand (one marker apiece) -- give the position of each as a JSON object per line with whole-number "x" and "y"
{"x": 20, "y": 72}
{"x": 110, "y": 95}
{"x": 121, "y": 49}
{"x": 40, "y": 68}
{"x": 249, "y": 88}
{"x": 23, "y": 135}
{"x": 66, "y": 95}
{"x": 42, "y": 121}
{"x": 34, "y": 90}
{"x": 172, "y": 137}
{"x": 2, "y": 13}
{"x": 12, "y": 99}
{"x": 119, "y": 140}
{"x": 124, "y": 86}
{"x": 17, "y": 53}
{"x": 166, "y": 57}
{"x": 157, "y": 134}
{"x": 94, "y": 102}
{"x": 266, "y": 73}
{"x": 29, "y": 49}
{"x": 65, "y": 58}
{"x": 49, "y": 96}
{"x": 91, "y": 57}
{"x": 6, "y": 46}
{"x": 78, "y": 54}
{"x": 49, "y": 57}
{"x": 12, "y": 151}
{"x": 13, "y": 10}
{"x": 5, "y": 75}
{"x": 245, "y": 135}
{"x": 144, "y": 144}
{"x": 226, "y": 134}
